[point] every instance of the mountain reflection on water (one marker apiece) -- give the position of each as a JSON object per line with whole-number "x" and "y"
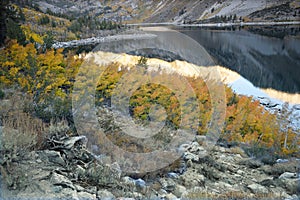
{"x": 267, "y": 62}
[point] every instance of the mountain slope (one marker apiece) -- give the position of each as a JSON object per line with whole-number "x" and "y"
{"x": 177, "y": 11}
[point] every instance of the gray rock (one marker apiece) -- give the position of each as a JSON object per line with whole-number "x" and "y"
{"x": 167, "y": 184}
{"x": 70, "y": 142}
{"x": 78, "y": 188}
{"x": 294, "y": 197}
{"x": 79, "y": 171}
{"x": 140, "y": 182}
{"x": 100, "y": 174}
{"x": 105, "y": 195}
{"x": 170, "y": 196}
{"x": 140, "y": 185}
{"x": 224, "y": 186}
{"x": 258, "y": 189}
{"x": 86, "y": 196}
{"x": 52, "y": 156}
{"x": 173, "y": 175}
{"x": 195, "y": 148}
{"x": 200, "y": 139}
{"x": 179, "y": 190}
{"x": 291, "y": 185}
{"x": 192, "y": 179}
{"x": 66, "y": 193}
{"x": 288, "y": 175}
{"x": 191, "y": 156}
{"x": 279, "y": 192}
{"x": 128, "y": 181}
{"x": 91, "y": 190}
{"x": 60, "y": 180}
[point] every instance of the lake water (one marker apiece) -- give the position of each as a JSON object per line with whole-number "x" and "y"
{"x": 269, "y": 57}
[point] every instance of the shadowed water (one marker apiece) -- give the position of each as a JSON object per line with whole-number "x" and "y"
{"x": 268, "y": 59}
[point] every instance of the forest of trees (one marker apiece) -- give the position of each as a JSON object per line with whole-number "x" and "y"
{"x": 11, "y": 17}
{"x": 246, "y": 120}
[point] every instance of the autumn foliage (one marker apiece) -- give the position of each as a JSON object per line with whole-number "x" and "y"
{"x": 246, "y": 120}
{"x": 48, "y": 77}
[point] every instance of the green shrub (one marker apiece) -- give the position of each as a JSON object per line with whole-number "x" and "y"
{"x": 2, "y": 94}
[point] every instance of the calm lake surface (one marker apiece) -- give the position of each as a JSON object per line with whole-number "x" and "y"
{"x": 269, "y": 57}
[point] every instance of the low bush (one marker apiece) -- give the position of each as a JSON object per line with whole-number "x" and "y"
{"x": 2, "y": 94}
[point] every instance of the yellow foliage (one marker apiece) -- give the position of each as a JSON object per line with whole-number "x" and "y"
{"x": 30, "y": 34}
{"x": 51, "y": 74}
{"x": 37, "y": 73}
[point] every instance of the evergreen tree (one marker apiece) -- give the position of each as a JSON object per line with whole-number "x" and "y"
{"x": 10, "y": 17}
{"x": 14, "y": 31}
{"x": 48, "y": 41}
{"x": 3, "y": 16}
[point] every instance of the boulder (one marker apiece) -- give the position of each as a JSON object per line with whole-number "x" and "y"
{"x": 86, "y": 196}
{"x": 288, "y": 175}
{"x": 60, "y": 180}
{"x": 101, "y": 174}
{"x": 191, "y": 156}
{"x": 52, "y": 156}
{"x": 291, "y": 185}
{"x": 258, "y": 189}
{"x": 173, "y": 175}
{"x": 170, "y": 196}
{"x": 128, "y": 181}
{"x": 105, "y": 195}
{"x": 179, "y": 190}
{"x": 192, "y": 178}
{"x": 167, "y": 184}
{"x": 140, "y": 185}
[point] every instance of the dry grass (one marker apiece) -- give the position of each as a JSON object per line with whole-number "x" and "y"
{"x": 237, "y": 150}
{"x": 20, "y": 132}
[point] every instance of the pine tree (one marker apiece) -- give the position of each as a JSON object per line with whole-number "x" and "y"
{"x": 3, "y": 17}
{"x": 14, "y": 31}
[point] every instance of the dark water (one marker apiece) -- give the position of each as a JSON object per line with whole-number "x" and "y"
{"x": 269, "y": 57}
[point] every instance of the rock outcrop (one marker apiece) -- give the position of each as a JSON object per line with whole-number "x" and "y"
{"x": 69, "y": 171}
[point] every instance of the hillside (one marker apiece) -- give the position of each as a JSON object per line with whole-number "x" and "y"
{"x": 43, "y": 155}
{"x": 69, "y": 166}
{"x": 140, "y": 116}
{"x": 175, "y": 10}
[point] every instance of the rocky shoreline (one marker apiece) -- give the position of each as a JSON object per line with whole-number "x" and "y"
{"x": 98, "y": 40}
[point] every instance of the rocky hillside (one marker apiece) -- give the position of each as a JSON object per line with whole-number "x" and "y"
{"x": 71, "y": 166}
{"x": 66, "y": 169}
{"x": 175, "y": 11}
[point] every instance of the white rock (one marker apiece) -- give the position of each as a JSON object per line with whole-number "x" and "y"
{"x": 294, "y": 197}
{"x": 191, "y": 156}
{"x": 288, "y": 175}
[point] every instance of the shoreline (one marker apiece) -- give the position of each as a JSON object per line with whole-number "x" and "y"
{"x": 219, "y": 24}
{"x": 98, "y": 40}
{"x": 159, "y": 27}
